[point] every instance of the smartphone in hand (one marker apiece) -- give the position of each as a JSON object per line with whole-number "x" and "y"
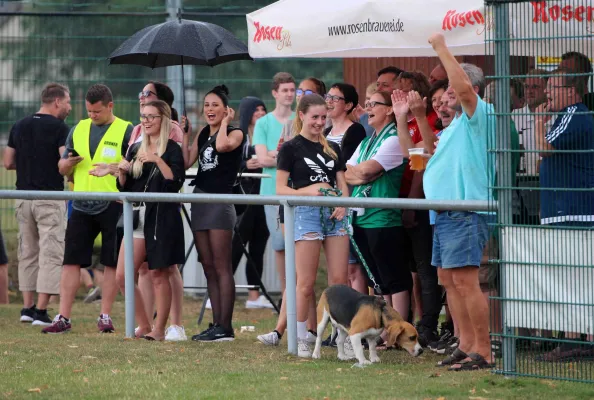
{"x": 72, "y": 151}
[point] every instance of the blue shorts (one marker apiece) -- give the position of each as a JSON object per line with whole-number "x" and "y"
{"x": 459, "y": 239}
{"x": 353, "y": 257}
{"x": 308, "y": 224}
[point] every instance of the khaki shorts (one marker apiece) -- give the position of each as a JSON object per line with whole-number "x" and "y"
{"x": 42, "y": 227}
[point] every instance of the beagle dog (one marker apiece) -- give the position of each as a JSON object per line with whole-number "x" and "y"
{"x": 362, "y": 317}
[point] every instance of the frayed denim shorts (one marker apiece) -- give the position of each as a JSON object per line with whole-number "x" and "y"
{"x": 310, "y": 225}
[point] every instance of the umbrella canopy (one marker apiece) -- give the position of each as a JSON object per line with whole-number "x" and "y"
{"x": 180, "y": 42}
{"x": 399, "y": 28}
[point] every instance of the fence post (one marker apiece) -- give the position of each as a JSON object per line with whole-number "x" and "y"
{"x": 129, "y": 268}
{"x": 504, "y": 164}
{"x": 291, "y": 278}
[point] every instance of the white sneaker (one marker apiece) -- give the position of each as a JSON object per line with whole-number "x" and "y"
{"x": 269, "y": 339}
{"x": 208, "y": 305}
{"x": 303, "y": 349}
{"x": 175, "y": 333}
{"x": 262, "y": 302}
{"x": 311, "y": 338}
{"x": 348, "y": 349}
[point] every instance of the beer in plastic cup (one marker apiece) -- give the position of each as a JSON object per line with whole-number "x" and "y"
{"x": 417, "y": 159}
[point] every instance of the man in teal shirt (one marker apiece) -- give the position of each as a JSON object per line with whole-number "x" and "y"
{"x": 462, "y": 169}
{"x": 267, "y": 133}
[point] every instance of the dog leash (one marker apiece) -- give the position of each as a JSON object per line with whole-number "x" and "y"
{"x": 333, "y": 192}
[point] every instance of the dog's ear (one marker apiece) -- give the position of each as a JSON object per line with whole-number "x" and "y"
{"x": 394, "y": 331}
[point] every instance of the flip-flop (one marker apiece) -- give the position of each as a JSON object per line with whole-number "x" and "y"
{"x": 477, "y": 362}
{"x": 454, "y": 358}
{"x": 149, "y": 338}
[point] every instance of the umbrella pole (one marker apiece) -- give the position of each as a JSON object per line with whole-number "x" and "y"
{"x": 183, "y": 87}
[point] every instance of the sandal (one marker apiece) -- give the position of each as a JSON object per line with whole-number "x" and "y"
{"x": 454, "y": 358}
{"x": 477, "y": 362}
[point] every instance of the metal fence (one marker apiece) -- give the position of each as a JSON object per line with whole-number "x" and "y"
{"x": 289, "y": 203}
{"x": 542, "y": 302}
{"x": 69, "y": 42}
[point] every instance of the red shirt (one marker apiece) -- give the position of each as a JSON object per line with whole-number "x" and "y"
{"x": 415, "y": 133}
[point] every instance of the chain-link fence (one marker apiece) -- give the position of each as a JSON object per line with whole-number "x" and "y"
{"x": 69, "y": 42}
{"x": 542, "y": 303}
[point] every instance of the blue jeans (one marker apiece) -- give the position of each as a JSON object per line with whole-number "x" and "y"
{"x": 459, "y": 239}
{"x": 310, "y": 225}
{"x": 277, "y": 239}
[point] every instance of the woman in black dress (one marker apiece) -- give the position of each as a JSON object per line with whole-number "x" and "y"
{"x": 218, "y": 150}
{"x": 155, "y": 164}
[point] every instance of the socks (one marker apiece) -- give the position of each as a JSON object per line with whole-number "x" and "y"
{"x": 280, "y": 335}
{"x": 301, "y": 330}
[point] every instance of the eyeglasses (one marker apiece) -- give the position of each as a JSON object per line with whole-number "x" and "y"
{"x": 145, "y": 93}
{"x": 148, "y": 118}
{"x": 372, "y": 104}
{"x": 301, "y": 92}
{"x": 333, "y": 99}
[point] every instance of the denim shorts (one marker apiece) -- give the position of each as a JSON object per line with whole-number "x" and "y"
{"x": 308, "y": 224}
{"x": 459, "y": 239}
{"x": 277, "y": 239}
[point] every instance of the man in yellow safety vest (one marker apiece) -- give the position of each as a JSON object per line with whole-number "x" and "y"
{"x": 101, "y": 139}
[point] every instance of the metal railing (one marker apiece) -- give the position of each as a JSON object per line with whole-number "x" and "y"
{"x": 289, "y": 203}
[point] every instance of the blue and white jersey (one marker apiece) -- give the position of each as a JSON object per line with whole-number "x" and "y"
{"x": 570, "y": 170}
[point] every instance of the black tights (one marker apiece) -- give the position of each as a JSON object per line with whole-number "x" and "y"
{"x": 214, "y": 253}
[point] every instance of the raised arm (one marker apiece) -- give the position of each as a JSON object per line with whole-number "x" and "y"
{"x": 458, "y": 78}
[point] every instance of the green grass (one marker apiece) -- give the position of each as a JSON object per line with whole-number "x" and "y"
{"x": 86, "y": 364}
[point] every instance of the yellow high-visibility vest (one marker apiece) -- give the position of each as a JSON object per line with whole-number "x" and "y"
{"x": 108, "y": 151}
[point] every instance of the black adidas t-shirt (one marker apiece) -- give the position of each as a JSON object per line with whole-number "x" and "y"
{"x": 303, "y": 160}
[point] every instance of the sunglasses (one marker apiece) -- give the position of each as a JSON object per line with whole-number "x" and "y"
{"x": 333, "y": 99}
{"x": 145, "y": 94}
{"x": 372, "y": 104}
{"x": 301, "y": 92}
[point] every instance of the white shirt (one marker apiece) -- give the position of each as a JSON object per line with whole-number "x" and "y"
{"x": 525, "y": 125}
{"x": 389, "y": 155}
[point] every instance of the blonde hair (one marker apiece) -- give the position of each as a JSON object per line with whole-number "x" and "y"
{"x": 305, "y": 103}
{"x": 165, "y": 113}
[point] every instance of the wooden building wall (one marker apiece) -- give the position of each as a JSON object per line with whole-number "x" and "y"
{"x": 362, "y": 71}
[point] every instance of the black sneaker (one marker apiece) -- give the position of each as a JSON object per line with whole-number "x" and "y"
{"x": 433, "y": 346}
{"x": 205, "y": 332}
{"x": 217, "y": 334}
{"x": 426, "y": 335}
{"x": 41, "y": 318}
{"x": 449, "y": 346}
{"x": 330, "y": 341}
{"x": 28, "y": 314}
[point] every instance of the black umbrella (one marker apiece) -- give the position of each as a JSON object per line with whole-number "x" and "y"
{"x": 180, "y": 42}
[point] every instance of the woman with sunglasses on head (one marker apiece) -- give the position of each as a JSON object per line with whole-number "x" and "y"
{"x": 251, "y": 229}
{"x": 375, "y": 170}
{"x": 152, "y": 91}
{"x": 155, "y": 164}
{"x": 308, "y": 165}
{"x": 342, "y": 99}
{"x": 218, "y": 149}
